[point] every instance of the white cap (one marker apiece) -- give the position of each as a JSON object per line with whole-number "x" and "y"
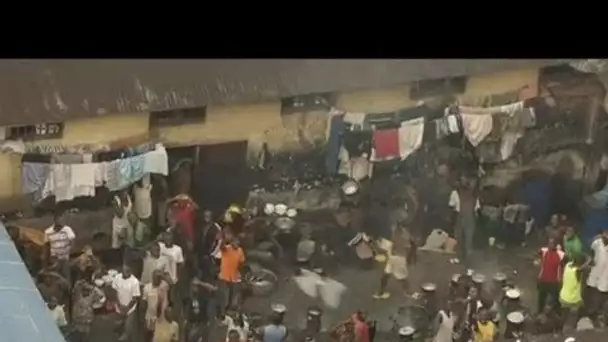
{"x": 429, "y": 287}
{"x": 515, "y": 317}
{"x": 500, "y": 276}
{"x": 570, "y": 339}
{"x": 406, "y": 331}
{"x": 470, "y": 272}
{"x": 279, "y": 308}
{"x": 478, "y": 278}
{"x": 513, "y": 293}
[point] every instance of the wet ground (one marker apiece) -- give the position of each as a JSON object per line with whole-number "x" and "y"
{"x": 361, "y": 284}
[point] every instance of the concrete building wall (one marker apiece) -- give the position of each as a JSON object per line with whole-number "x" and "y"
{"x": 96, "y": 130}
{"x": 375, "y": 101}
{"x": 255, "y": 123}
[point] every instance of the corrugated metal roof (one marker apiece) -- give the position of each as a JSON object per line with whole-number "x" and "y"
{"x": 23, "y": 314}
{"x": 33, "y": 91}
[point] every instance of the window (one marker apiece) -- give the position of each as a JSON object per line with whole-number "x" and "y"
{"x": 438, "y": 87}
{"x": 36, "y": 132}
{"x": 306, "y": 103}
{"x": 178, "y": 117}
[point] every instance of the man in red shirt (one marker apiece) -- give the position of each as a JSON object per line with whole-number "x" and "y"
{"x": 550, "y": 274}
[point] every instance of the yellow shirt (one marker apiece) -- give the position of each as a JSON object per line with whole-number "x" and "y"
{"x": 166, "y": 331}
{"x": 485, "y": 332}
{"x": 571, "y": 286}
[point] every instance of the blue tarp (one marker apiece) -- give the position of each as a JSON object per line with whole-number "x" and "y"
{"x": 594, "y": 221}
{"x": 24, "y": 316}
{"x": 537, "y": 195}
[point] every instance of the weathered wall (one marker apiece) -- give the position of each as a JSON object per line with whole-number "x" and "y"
{"x": 255, "y": 123}
{"x": 96, "y": 130}
{"x": 375, "y": 101}
{"x": 523, "y": 80}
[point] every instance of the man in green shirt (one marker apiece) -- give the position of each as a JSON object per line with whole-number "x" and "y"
{"x": 572, "y": 244}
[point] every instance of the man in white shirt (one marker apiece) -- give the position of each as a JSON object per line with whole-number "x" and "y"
{"x": 60, "y": 239}
{"x": 598, "y": 276}
{"x": 175, "y": 255}
{"x": 154, "y": 261}
{"x": 127, "y": 289}
{"x": 465, "y": 205}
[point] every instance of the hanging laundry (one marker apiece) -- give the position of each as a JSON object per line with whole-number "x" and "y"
{"x": 82, "y": 179}
{"x": 61, "y": 185}
{"x": 333, "y": 144}
{"x": 112, "y": 175}
{"x": 507, "y": 109}
{"x": 355, "y": 119}
{"x": 100, "y": 174}
{"x": 476, "y": 127}
{"x": 528, "y": 117}
{"x": 386, "y": 143}
{"x": 441, "y": 128}
{"x": 410, "y": 136}
{"x": 33, "y": 178}
{"x": 453, "y": 126}
{"x": 157, "y": 161}
{"x": 508, "y": 142}
{"x": 130, "y": 170}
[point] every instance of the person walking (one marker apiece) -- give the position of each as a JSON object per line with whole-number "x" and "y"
{"x": 573, "y": 246}
{"x": 233, "y": 259}
{"x": 60, "y": 240}
{"x": 465, "y": 204}
{"x": 175, "y": 255}
{"x": 155, "y": 298}
{"x": 85, "y": 296}
{"x": 445, "y": 322}
{"x": 276, "y": 331}
{"x": 128, "y": 291}
{"x": 155, "y": 261}
{"x": 597, "y": 281}
{"x": 570, "y": 295}
{"x": 396, "y": 264}
{"x": 550, "y": 274}
{"x": 208, "y": 245}
{"x": 166, "y": 328}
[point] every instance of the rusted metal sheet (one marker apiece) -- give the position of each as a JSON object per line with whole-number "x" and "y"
{"x": 34, "y": 91}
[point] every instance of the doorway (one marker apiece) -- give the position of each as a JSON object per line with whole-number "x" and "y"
{"x": 221, "y": 176}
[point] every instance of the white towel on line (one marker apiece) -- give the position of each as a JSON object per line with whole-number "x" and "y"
{"x": 355, "y": 119}
{"x": 509, "y": 109}
{"x": 83, "y": 179}
{"x": 476, "y": 127}
{"x": 410, "y": 136}
{"x": 452, "y": 124}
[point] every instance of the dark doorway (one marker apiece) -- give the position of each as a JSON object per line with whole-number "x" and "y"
{"x": 221, "y": 176}
{"x": 181, "y": 162}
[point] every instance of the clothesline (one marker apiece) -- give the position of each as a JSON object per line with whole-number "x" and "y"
{"x": 67, "y": 181}
{"x": 476, "y": 123}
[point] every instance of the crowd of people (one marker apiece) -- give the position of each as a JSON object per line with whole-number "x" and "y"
{"x": 179, "y": 279}
{"x": 177, "y": 284}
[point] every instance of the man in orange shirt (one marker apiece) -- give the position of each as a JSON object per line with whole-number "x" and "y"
{"x": 231, "y": 263}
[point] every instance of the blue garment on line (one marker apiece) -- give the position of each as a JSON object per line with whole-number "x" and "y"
{"x": 33, "y": 176}
{"x": 333, "y": 144}
{"x": 130, "y": 170}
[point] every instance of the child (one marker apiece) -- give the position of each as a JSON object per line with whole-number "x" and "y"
{"x": 57, "y": 313}
{"x": 484, "y": 329}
